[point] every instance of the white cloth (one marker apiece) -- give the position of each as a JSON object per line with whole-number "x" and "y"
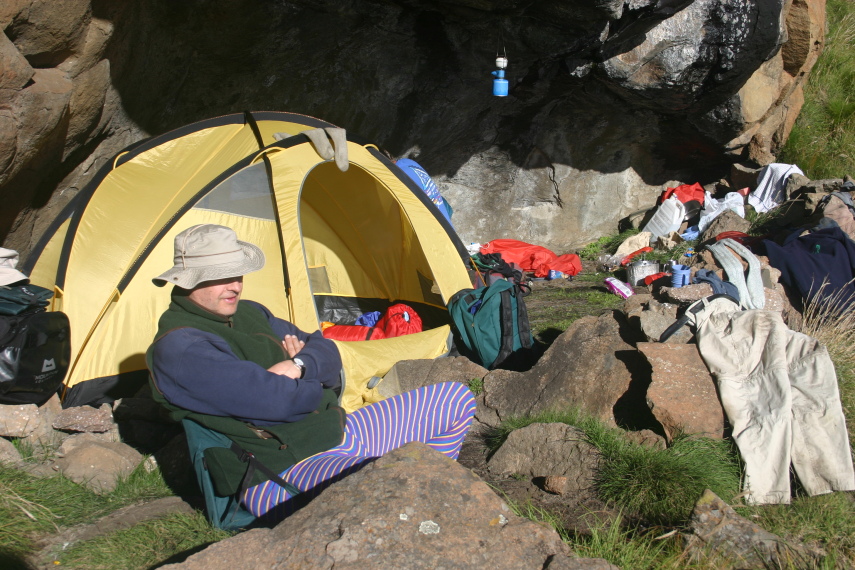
{"x": 779, "y": 391}
{"x": 770, "y": 186}
{"x": 8, "y": 262}
{"x": 713, "y": 208}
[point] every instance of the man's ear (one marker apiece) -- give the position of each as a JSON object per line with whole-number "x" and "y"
{"x": 176, "y": 290}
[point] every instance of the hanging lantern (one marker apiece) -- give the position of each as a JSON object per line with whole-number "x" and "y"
{"x": 500, "y": 84}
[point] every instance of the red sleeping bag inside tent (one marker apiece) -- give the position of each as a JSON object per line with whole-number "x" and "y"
{"x": 533, "y": 258}
{"x": 398, "y": 320}
{"x": 353, "y": 332}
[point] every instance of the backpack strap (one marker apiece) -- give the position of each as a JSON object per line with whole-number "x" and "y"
{"x": 694, "y": 309}
{"x": 507, "y": 328}
{"x": 253, "y": 464}
{"x": 523, "y": 325}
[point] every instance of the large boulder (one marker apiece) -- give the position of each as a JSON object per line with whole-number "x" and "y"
{"x": 682, "y": 393}
{"x": 591, "y": 366}
{"x": 412, "y": 508}
{"x": 610, "y": 101}
{"x": 411, "y": 374}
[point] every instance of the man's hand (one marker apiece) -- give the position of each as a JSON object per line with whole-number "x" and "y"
{"x": 286, "y": 368}
{"x": 292, "y": 345}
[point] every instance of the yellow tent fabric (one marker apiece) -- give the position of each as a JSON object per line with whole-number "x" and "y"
{"x": 366, "y": 360}
{"x": 363, "y": 235}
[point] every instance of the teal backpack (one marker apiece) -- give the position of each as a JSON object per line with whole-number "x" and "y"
{"x": 492, "y": 321}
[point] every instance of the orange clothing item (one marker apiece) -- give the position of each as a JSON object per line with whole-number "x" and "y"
{"x": 533, "y": 258}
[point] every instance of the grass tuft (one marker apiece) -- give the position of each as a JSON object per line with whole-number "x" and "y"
{"x": 660, "y": 486}
{"x": 145, "y": 544}
{"x": 824, "y": 521}
{"x": 628, "y": 547}
{"x": 31, "y": 507}
{"x": 605, "y": 245}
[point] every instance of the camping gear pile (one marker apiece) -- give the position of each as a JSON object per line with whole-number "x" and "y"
{"x": 344, "y": 231}
{"x": 810, "y": 242}
{"x": 778, "y": 387}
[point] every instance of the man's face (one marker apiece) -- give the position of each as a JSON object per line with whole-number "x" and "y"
{"x": 220, "y": 297}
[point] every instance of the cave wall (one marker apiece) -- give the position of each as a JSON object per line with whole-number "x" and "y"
{"x": 610, "y": 101}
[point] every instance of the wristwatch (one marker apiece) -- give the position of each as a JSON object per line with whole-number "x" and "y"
{"x": 299, "y": 364}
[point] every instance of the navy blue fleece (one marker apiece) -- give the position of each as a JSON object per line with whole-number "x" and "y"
{"x": 198, "y": 371}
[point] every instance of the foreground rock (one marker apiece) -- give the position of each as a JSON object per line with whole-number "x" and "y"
{"x": 591, "y": 365}
{"x": 19, "y": 421}
{"x": 558, "y": 460}
{"x": 413, "y": 508}
{"x": 718, "y": 531}
{"x": 549, "y": 451}
{"x": 98, "y": 464}
{"x": 682, "y": 393}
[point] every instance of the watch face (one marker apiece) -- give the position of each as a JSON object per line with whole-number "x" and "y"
{"x": 298, "y": 362}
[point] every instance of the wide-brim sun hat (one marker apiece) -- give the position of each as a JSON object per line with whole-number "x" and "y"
{"x": 208, "y": 252}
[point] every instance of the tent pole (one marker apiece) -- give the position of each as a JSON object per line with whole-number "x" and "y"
{"x": 268, "y": 168}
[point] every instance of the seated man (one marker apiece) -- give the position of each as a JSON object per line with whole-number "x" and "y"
{"x": 232, "y": 367}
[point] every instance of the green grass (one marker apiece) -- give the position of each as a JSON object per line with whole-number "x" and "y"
{"x": 145, "y": 544}
{"x": 31, "y": 507}
{"x": 619, "y": 542}
{"x": 605, "y": 245}
{"x": 556, "y": 309}
{"x": 632, "y": 547}
{"x": 476, "y": 385}
{"x": 591, "y": 277}
{"x": 822, "y": 142}
{"x": 660, "y": 486}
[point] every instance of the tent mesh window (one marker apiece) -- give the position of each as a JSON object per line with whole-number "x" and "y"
{"x": 246, "y": 193}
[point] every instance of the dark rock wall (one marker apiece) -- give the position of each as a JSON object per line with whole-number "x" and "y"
{"x": 609, "y": 102}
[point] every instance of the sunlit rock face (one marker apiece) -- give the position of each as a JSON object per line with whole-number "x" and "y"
{"x": 609, "y": 101}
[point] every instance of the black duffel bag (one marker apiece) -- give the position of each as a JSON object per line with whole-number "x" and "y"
{"x": 35, "y": 350}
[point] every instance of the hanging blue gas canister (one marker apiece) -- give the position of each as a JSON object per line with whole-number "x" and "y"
{"x": 500, "y": 84}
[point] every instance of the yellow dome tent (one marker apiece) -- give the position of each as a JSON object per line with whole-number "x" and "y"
{"x": 337, "y": 244}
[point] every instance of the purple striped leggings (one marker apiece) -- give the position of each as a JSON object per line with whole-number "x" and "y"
{"x": 438, "y": 415}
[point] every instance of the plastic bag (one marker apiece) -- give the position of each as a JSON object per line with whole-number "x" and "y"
{"x": 713, "y": 208}
{"x": 619, "y": 288}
